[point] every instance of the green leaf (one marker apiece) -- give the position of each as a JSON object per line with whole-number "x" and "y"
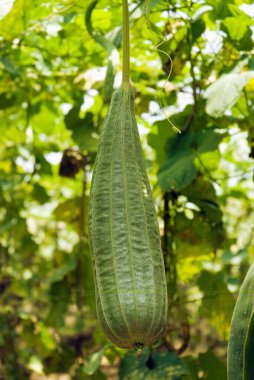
{"x": 218, "y": 302}
{"x": 206, "y": 140}
{"x": 220, "y": 8}
{"x": 59, "y": 273}
{"x": 152, "y": 366}
{"x": 171, "y": 45}
{"x": 83, "y": 131}
{"x": 80, "y": 375}
{"x": 68, "y": 211}
{"x": 103, "y": 41}
{"x": 6, "y": 100}
{"x": 239, "y": 31}
{"x": 197, "y": 28}
{"x": 212, "y": 367}
{"x": 109, "y": 45}
{"x": 40, "y": 193}
{"x": 153, "y": 3}
{"x": 94, "y": 361}
{"x": 236, "y": 28}
{"x": 59, "y": 300}
{"x": 201, "y": 189}
{"x": 46, "y": 121}
{"x": 203, "y": 194}
{"x": 46, "y": 337}
{"x": 163, "y": 135}
{"x": 225, "y": 92}
{"x": 198, "y": 236}
{"x": 42, "y": 165}
{"x": 62, "y": 359}
{"x": 211, "y": 209}
{"x": 85, "y": 269}
{"x": 9, "y": 66}
{"x": 207, "y": 363}
{"x": 177, "y": 172}
{"x": 13, "y": 24}
{"x": 6, "y": 8}
{"x": 158, "y": 140}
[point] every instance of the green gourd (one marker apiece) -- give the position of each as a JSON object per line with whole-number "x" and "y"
{"x": 241, "y": 341}
{"x": 124, "y": 236}
{"x": 130, "y": 281}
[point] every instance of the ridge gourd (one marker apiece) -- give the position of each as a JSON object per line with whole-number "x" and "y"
{"x": 129, "y": 273}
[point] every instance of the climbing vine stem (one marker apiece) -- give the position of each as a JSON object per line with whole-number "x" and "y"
{"x": 126, "y": 42}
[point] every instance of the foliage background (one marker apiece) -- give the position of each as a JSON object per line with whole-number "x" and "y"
{"x": 52, "y": 104}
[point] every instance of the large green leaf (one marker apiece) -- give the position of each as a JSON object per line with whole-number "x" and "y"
{"x": 83, "y": 131}
{"x": 179, "y": 170}
{"x": 218, "y": 302}
{"x": 6, "y": 6}
{"x": 158, "y": 140}
{"x": 163, "y": 136}
{"x": 13, "y": 23}
{"x": 224, "y": 93}
{"x": 239, "y": 30}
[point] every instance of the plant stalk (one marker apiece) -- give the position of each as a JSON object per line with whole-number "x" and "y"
{"x": 126, "y": 43}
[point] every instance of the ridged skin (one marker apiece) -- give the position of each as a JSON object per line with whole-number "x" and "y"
{"x": 242, "y": 315}
{"x": 131, "y": 290}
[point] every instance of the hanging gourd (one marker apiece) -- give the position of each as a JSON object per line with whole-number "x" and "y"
{"x": 131, "y": 291}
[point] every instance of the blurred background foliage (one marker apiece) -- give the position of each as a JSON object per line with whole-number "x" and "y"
{"x": 54, "y": 57}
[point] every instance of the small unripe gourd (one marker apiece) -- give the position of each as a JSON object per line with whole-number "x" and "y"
{"x": 131, "y": 291}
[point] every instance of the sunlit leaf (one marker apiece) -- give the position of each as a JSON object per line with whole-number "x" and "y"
{"x": 223, "y": 93}
{"x": 5, "y": 7}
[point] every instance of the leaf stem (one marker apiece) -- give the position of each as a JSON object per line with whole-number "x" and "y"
{"x": 126, "y": 43}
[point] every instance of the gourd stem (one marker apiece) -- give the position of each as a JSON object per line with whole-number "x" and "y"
{"x": 126, "y": 43}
